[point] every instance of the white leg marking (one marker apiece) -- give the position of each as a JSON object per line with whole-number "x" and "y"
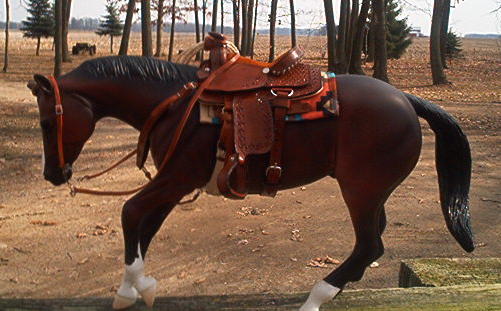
{"x": 320, "y": 294}
{"x": 135, "y": 281}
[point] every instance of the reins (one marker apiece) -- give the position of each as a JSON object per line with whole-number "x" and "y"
{"x": 143, "y": 137}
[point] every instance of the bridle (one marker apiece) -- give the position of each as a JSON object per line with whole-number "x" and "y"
{"x": 58, "y": 108}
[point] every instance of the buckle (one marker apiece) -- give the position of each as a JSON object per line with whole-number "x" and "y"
{"x": 274, "y": 168}
{"x": 59, "y": 110}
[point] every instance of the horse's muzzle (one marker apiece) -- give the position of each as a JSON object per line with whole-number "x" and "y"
{"x": 58, "y": 176}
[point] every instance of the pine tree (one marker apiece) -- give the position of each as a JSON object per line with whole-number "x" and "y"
{"x": 39, "y": 23}
{"x": 397, "y": 31}
{"x": 110, "y": 24}
{"x": 453, "y": 45}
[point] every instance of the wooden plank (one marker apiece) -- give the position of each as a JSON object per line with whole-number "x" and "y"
{"x": 453, "y": 298}
{"x": 449, "y": 272}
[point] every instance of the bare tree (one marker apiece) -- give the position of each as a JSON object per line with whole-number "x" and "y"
{"x": 293, "y": 24}
{"x": 352, "y": 32}
{"x": 341, "y": 66}
{"x": 236, "y": 22}
{"x": 147, "y": 48}
{"x": 249, "y": 28}
{"x": 243, "y": 10}
{"x": 160, "y": 22}
{"x": 66, "y": 20}
{"x": 273, "y": 21}
{"x": 381, "y": 56}
{"x": 358, "y": 40}
{"x": 204, "y": 17}
{"x": 331, "y": 35}
{"x": 254, "y": 30}
{"x": 197, "y": 26}
{"x": 437, "y": 68}
{"x": 214, "y": 15}
{"x": 124, "y": 43}
{"x": 7, "y": 22}
{"x": 444, "y": 30}
{"x": 222, "y": 16}
{"x": 172, "y": 30}
{"x": 58, "y": 36}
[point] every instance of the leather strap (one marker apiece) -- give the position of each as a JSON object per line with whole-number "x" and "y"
{"x": 143, "y": 141}
{"x": 281, "y": 105}
{"x": 60, "y": 122}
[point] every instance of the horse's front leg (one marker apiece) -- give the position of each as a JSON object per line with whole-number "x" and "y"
{"x": 142, "y": 217}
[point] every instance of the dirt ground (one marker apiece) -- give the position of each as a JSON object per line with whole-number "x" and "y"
{"x": 52, "y": 245}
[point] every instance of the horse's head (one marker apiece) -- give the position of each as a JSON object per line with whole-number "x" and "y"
{"x": 65, "y": 128}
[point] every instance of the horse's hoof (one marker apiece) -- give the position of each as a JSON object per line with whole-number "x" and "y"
{"x": 121, "y": 302}
{"x": 148, "y": 293}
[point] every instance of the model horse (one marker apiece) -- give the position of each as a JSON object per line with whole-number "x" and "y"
{"x": 370, "y": 148}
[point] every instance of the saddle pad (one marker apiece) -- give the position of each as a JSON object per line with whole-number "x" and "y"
{"x": 253, "y": 123}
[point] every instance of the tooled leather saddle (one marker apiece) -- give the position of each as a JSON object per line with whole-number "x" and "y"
{"x": 253, "y": 100}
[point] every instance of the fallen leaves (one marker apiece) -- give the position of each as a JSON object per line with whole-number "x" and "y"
{"x": 322, "y": 262}
{"x": 44, "y": 223}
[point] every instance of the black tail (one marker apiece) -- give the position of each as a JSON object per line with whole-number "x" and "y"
{"x": 453, "y": 162}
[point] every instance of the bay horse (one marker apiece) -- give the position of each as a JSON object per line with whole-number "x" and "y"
{"x": 370, "y": 148}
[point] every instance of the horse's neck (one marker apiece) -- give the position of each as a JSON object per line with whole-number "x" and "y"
{"x": 130, "y": 105}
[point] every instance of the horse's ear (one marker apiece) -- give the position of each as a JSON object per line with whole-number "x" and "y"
{"x": 44, "y": 84}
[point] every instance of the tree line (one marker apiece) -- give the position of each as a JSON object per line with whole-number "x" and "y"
{"x": 365, "y": 27}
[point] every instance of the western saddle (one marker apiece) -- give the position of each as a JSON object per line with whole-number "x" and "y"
{"x": 253, "y": 100}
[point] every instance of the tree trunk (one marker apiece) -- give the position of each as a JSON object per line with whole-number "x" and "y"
{"x": 358, "y": 40}
{"x": 124, "y": 43}
{"x": 111, "y": 44}
{"x": 380, "y": 60}
{"x": 214, "y": 15}
{"x": 58, "y": 58}
{"x": 222, "y": 16}
{"x": 293, "y": 24}
{"x": 342, "y": 34}
{"x": 160, "y": 18}
{"x": 444, "y": 30}
{"x": 197, "y": 27}
{"x": 38, "y": 47}
{"x": 273, "y": 20}
{"x": 254, "y": 29}
{"x": 204, "y": 17}
{"x": 353, "y": 31}
{"x": 172, "y": 30}
{"x": 147, "y": 49}
{"x": 66, "y": 11}
{"x": 236, "y": 23}
{"x": 331, "y": 35}
{"x": 437, "y": 69}
{"x": 371, "y": 40}
{"x": 7, "y": 22}
{"x": 243, "y": 9}
{"x": 250, "y": 20}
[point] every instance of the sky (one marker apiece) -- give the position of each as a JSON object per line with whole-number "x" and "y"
{"x": 469, "y": 16}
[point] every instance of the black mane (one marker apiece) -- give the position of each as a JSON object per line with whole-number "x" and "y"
{"x": 134, "y": 68}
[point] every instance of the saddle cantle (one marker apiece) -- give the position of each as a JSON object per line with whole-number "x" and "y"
{"x": 253, "y": 100}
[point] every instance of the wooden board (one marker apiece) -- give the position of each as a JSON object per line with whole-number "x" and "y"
{"x": 453, "y": 298}
{"x": 449, "y": 272}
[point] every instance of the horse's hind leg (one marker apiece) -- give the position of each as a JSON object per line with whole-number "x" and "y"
{"x": 366, "y": 213}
